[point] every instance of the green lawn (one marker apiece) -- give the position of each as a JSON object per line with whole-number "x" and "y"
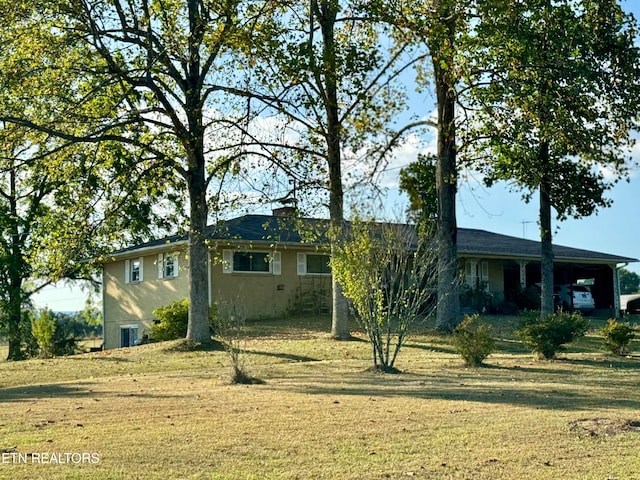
{"x": 155, "y": 411}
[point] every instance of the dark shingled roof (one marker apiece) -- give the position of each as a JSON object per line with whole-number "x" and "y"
{"x": 483, "y": 243}
{"x": 471, "y": 242}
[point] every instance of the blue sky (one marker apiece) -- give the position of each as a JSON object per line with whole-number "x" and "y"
{"x": 614, "y": 230}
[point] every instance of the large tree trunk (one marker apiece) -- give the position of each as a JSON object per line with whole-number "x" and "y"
{"x": 15, "y": 272}
{"x": 546, "y": 248}
{"x": 198, "y": 327}
{"x": 448, "y": 309}
{"x": 14, "y": 315}
{"x": 327, "y": 18}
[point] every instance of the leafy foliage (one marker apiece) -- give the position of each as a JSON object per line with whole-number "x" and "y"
{"x": 616, "y": 336}
{"x": 388, "y": 273}
{"x": 173, "y": 320}
{"x": 629, "y": 281}
{"x": 52, "y": 334}
{"x": 473, "y": 340}
{"x": 545, "y": 336}
{"x": 555, "y": 93}
{"x": 418, "y": 180}
{"x": 43, "y": 327}
{"x": 156, "y": 82}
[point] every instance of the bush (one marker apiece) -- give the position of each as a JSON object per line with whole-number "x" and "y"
{"x": 546, "y": 336}
{"x": 616, "y": 336}
{"x": 231, "y": 323}
{"x": 43, "y": 328}
{"x": 173, "y": 319}
{"x": 473, "y": 340}
{"x": 51, "y": 335}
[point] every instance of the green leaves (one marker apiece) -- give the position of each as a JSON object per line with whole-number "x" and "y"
{"x": 387, "y": 271}
{"x": 554, "y": 74}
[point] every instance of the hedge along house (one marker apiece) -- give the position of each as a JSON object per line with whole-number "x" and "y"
{"x": 273, "y": 265}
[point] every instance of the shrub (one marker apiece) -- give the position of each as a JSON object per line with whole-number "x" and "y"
{"x": 43, "y": 328}
{"x": 473, "y": 340}
{"x": 173, "y": 319}
{"x": 231, "y": 325}
{"x": 546, "y": 336}
{"x": 616, "y": 336}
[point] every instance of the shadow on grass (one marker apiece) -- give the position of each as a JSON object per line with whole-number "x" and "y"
{"x": 91, "y": 357}
{"x": 610, "y": 361}
{"x": 544, "y": 386}
{"x": 283, "y": 356}
{"x": 84, "y": 390}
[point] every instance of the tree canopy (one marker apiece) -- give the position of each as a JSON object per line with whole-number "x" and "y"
{"x": 554, "y": 88}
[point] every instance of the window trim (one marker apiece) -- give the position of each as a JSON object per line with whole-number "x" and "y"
{"x": 162, "y": 263}
{"x": 476, "y": 273}
{"x": 128, "y": 265}
{"x": 274, "y": 261}
{"x": 133, "y": 326}
{"x": 303, "y": 269}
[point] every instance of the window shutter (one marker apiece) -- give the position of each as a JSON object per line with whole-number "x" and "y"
{"x": 484, "y": 274}
{"x": 276, "y": 263}
{"x": 175, "y": 265}
{"x": 469, "y": 274}
{"x": 227, "y": 261}
{"x": 127, "y": 271}
{"x": 160, "y": 265}
{"x": 141, "y": 259}
{"x": 302, "y": 264}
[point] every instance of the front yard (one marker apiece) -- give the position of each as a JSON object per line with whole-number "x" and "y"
{"x": 155, "y": 411}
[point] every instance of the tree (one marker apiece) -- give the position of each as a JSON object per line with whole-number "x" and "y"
{"x": 629, "y": 281}
{"x": 43, "y": 328}
{"x": 337, "y": 87}
{"x": 438, "y": 25}
{"x": 154, "y": 77}
{"x": 48, "y": 226}
{"x": 445, "y": 26}
{"x": 388, "y": 273}
{"x": 555, "y": 88}
{"x": 418, "y": 180}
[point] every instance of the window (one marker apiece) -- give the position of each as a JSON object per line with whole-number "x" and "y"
{"x": 250, "y": 262}
{"x": 313, "y": 264}
{"x": 133, "y": 270}
{"x": 128, "y": 335}
{"x": 167, "y": 265}
{"x": 477, "y": 274}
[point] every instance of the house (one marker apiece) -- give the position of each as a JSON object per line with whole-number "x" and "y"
{"x": 264, "y": 263}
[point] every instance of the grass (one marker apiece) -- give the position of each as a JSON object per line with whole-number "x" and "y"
{"x": 155, "y": 411}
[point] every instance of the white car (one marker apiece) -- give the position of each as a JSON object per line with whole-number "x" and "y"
{"x": 575, "y": 297}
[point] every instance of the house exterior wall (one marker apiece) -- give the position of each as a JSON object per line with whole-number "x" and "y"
{"x": 261, "y": 294}
{"x": 132, "y": 303}
{"x": 267, "y": 295}
{"x": 286, "y": 287}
